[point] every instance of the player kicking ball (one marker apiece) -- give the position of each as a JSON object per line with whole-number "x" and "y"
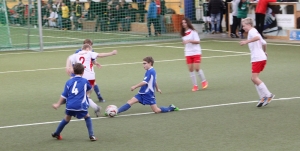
{"x": 146, "y": 95}
{"x": 258, "y": 47}
{"x": 77, "y": 103}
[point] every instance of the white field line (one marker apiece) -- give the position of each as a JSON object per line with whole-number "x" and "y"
{"x": 202, "y": 49}
{"x": 130, "y": 63}
{"x": 73, "y": 49}
{"x": 146, "y": 113}
{"x": 56, "y": 37}
{"x": 269, "y": 43}
{"x": 47, "y": 42}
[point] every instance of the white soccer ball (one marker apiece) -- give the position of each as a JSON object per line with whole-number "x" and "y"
{"x": 111, "y": 110}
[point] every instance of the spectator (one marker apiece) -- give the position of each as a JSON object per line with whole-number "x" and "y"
{"x": 235, "y": 21}
{"x": 141, "y": 9}
{"x": 152, "y": 17}
{"x": 102, "y": 13}
{"x": 113, "y": 3}
{"x": 158, "y": 20}
{"x": 215, "y": 8}
{"x": 59, "y": 13}
{"x": 52, "y": 18}
{"x": 91, "y": 10}
{"x": 132, "y": 12}
{"x": 117, "y": 15}
{"x": 111, "y": 21}
{"x": 21, "y": 12}
{"x": 162, "y": 16}
{"x": 126, "y": 20}
{"x": 77, "y": 15}
{"x": 124, "y": 4}
{"x": 65, "y": 17}
{"x": 260, "y": 14}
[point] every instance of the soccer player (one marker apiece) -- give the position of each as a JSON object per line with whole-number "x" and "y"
{"x": 257, "y": 46}
{"x": 77, "y": 104}
{"x": 146, "y": 95}
{"x": 85, "y": 57}
{"x": 192, "y": 50}
{"x": 69, "y": 66}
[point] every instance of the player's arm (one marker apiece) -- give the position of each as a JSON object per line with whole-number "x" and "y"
{"x": 264, "y": 46}
{"x": 138, "y": 85}
{"x": 244, "y": 42}
{"x": 69, "y": 68}
{"x": 98, "y": 65}
{"x": 101, "y": 55}
{"x": 157, "y": 89}
{"x": 60, "y": 101}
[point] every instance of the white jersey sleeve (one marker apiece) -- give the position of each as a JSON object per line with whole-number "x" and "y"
{"x": 94, "y": 55}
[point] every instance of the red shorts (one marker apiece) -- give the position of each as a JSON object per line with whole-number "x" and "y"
{"x": 193, "y": 59}
{"x": 259, "y": 66}
{"x": 92, "y": 82}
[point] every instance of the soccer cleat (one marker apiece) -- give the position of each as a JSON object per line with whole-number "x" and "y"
{"x": 97, "y": 112}
{"x": 195, "y": 88}
{"x": 174, "y": 107}
{"x": 261, "y": 102}
{"x": 204, "y": 84}
{"x": 101, "y": 100}
{"x": 93, "y": 138}
{"x": 268, "y": 100}
{"x": 59, "y": 137}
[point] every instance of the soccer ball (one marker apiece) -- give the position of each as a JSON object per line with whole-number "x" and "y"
{"x": 111, "y": 110}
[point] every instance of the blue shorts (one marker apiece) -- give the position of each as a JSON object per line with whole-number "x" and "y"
{"x": 145, "y": 99}
{"x": 77, "y": 114}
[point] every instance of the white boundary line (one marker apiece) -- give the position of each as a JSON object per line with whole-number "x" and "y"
{"x": 130, "y": 63}
{"x": 269, "y": 43}
{"x": 146, "y": 113}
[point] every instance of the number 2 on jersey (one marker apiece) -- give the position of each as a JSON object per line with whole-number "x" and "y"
{"x": 82, "y": 59}
{"x": 74, "y": 89}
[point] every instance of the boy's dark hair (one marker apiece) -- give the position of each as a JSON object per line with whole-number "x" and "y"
{"x": 149, "y": 60}
{"x": 88, "y": 41}
{"x": 78, "y": 68}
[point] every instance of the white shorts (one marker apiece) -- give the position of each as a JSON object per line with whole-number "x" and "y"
{"x": 206, "y": 18}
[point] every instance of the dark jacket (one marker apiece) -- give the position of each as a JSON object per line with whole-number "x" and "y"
{"x": 216, "y": 6}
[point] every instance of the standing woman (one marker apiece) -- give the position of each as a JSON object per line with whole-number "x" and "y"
{"x": 192, "y": 51}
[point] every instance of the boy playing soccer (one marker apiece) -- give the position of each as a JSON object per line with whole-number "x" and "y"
{"x": 146, "y": 95}
{"x": 257, "y": 46}
{"x": 77, "y": 104}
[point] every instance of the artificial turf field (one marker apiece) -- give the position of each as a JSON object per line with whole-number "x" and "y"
{"x": 222, "y": 117}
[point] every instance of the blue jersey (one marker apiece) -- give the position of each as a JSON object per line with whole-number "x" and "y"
{"x": 150, "y": 79}
{"x": 75, "y": 94}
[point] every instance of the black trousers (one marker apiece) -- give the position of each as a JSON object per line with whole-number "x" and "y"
{"x": 141, "y": 10}
{"x": 260, "y": 22}
{"x": 235, "y": 24}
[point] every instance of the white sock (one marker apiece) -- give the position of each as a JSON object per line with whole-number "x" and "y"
{"x": 201, "y": 75}
{"x": 193, "y": 77}
{"x": 93, "y": 104}
{"x": 259, "y": 93}
{"x": 263, "y": 88}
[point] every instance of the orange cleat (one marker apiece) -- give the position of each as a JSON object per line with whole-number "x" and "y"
{"x": 204, "y": 84}
{"x": 195, "y": 88}
{"x": 59, "y": 137}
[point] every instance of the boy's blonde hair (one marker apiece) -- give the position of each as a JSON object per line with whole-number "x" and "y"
{"x": 248, "y": 21}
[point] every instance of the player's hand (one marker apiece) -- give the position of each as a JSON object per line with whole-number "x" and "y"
{"x": 132, "y": 88}
{"x": 158, "y": 90}
{"x": 98, "y": 65}
{"x": 55, "y": 106}
{"x": 266, "y": 54}
{"x": 114, "y": 52}
{"x": 244, "y": 42}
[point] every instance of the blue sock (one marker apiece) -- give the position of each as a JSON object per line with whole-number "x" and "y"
{"x": 166, "y": 109}
{"x": 89, "y": 126}
{"x": 97, "y": 91}
{"x": 61, "y": 126}
{"x": 123, "y": 108}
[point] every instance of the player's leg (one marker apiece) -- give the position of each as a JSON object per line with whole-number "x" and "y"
{"x": 262, "y": 89}
{"x": 61, "y": 126}
{"x": 97, "y": 91}
{"x": 162, "y": 109}
{"x": 89, "y": 126}
{"x": 129, "y": 103}
{"x": 197, "y": 62}
{"x": 189, "y": 62}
